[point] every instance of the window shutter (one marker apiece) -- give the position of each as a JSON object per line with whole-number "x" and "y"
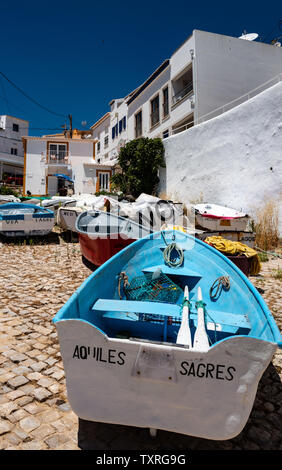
{"x": 120, "y": 126}
{"x": 124, "y": 122}
{"x": 113, "y": 132}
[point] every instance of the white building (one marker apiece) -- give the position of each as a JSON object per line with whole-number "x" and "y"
{"x": 12, "y": 130}
{"x": 110, "y": 131}
{"x": 74, "y": 157}
{"x": 205, "y": 73}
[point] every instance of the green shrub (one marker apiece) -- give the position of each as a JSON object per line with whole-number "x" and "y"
{"x": 139, "y": 161}
{"x": 7, "y": 190}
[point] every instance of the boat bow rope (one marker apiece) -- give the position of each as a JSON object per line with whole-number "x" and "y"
{"x": 122, "y": 278}
{"x": 176, "y": 261}
{"x": 222, "y": 282}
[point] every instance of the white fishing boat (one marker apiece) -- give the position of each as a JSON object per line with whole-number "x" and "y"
{"x": 20, "y": 220}
{"x": 148, "y": 211}
{"x": 68, "y": 213}
{"x": 66, "y": 217}
{"x": 167, "y": 334}
{"x": 214, "y": 217}
{"x": 56, "y": 202}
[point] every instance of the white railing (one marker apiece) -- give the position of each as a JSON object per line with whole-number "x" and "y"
{"x": 232, "y": 104}
{"x": 180, "y": 94}
{"x": 59, "y": 158}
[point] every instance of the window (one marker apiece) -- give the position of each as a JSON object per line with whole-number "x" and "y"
{"x": 104, "y": 181}
{"x": 138, "y": 124}
{"x": 98, "y": 147}
{"x": 122, "y": 125}
{"x": 165, "y": 134}
{"x": 106, "y": 141}
{"x": 165, "y": 102}
{"x": 155, "y": 111}
{"x": 115, "y": 131}
{"x": 58, "y": 151}
{"x": 14, "y": 151}
{"x": 15, "y": 127}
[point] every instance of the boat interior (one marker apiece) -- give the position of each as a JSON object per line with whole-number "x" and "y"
{"x": 146, "y": 296}
{"x": 104, "y": 224}
{"x": 17, "y": 210}
{"x": 160, "y": 320}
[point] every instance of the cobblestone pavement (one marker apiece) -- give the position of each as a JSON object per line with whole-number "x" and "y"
{"x": 36, "y": 280}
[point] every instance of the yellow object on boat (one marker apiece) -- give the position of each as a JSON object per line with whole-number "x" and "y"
{"x": 173, "y": 227}
{"x": 233, "y": 248}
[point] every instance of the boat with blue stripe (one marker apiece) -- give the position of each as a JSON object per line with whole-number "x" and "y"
{"x": 167, "y": 334}
{"x": 20, "y": 220}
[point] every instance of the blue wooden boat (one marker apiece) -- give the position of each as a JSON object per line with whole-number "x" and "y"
{"x": 20, "y": 220}
{"x": 167, "y": 334}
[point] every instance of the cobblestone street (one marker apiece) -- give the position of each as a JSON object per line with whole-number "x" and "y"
{"x": 36, "y": 280}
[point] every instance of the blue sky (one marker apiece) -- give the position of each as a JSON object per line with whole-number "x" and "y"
{"x": 74, "y": 57}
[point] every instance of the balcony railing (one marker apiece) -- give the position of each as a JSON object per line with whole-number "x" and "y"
{"x": 59, "y": 158}
{"x": 182, "y": 93}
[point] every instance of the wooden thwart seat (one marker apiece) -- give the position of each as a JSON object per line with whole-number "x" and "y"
{"x": 115, "y": 309}
{"x": 153, "y": 308}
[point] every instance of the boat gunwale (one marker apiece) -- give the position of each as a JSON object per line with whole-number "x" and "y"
{"x": 19, "y": 205}
{"x": 102, "y": 235}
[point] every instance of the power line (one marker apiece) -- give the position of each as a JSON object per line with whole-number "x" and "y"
{"x": 31, "y": 99}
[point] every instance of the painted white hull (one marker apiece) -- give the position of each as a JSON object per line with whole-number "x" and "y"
{"x": 137, "y": 383}
{"x": 66, "y": 217}
{"x": 28, "y": 226}
{"x": 216, "y": 224}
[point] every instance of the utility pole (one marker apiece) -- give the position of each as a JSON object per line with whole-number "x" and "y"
{"x": 70, "y": 118}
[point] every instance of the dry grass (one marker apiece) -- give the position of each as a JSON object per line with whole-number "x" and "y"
{"x": 266, "y": 226}
{"x": 164, "y": 196}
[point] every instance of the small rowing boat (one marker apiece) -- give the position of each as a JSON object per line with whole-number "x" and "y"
{"x": 167, "y": 334}
{"x": 102, "y": 234}
{"x": 214, "y": 217}
{"x": 20, "y": 220}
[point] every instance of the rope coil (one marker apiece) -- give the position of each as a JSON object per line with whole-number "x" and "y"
{"x": 176, "y": 261}
{"x": 172, "y": 262}
{"x": 122, "y": 277}
{"x": 222, "y": 282}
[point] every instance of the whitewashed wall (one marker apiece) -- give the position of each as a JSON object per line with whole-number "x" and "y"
{"x": 226, "y": 68}
{"x": 80, "y": 153}
{"x": 182, "y": 56}
{"x": 100, "y": 132}
{"x": 234, "y": 159}
{"x": 35, "y": 180}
